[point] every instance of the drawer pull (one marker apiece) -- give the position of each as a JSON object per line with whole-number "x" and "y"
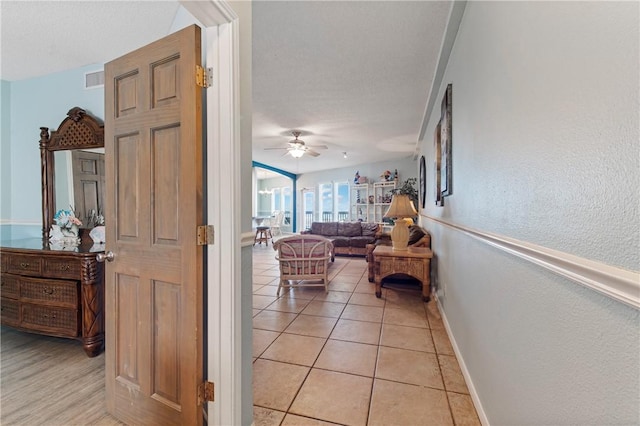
{"x": 48, "y": 290}
{"x": 45, "y": 316}
{"x": 24, "y": 265}
{"x": 65, "y": 267}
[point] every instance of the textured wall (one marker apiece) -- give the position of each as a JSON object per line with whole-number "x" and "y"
{"x": 546, "y": 119}
{"x": 545, "y": 150}
{"x": 42, "y": 101}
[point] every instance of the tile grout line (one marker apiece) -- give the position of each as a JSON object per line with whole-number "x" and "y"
{"x": 378, "y": 344}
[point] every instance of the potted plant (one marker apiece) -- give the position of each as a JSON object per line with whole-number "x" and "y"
{"x": 408, "y": 187}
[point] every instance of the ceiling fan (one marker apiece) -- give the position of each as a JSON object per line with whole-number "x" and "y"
{"x": 297, "y": 148}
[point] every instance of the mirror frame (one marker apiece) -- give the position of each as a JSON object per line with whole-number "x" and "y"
{"x": 78, "y": 130}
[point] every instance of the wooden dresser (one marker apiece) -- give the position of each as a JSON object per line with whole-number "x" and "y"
{"x": 53, "y": 292}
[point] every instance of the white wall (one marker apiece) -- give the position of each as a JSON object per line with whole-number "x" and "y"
{"x": 546, "y": 152}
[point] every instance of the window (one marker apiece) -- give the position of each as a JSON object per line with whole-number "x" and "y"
{"x": 334, "y": 201}
{"x": 341, "y": 212}
{"x": 276, "y": 200}
{"x": 308, "y": 207}
{"x": 287, "y": 206}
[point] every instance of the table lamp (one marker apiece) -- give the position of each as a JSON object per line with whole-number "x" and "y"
{"x": 401, "y": 207}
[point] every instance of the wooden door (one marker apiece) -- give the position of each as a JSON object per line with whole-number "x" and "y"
{"x": 88, "y": 184}
{"x": 154, "y": 285}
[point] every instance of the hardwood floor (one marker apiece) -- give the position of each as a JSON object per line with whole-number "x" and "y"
{"x": 50, "y": 381}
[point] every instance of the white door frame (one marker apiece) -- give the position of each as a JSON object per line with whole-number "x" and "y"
{"x": 223, "y": 186}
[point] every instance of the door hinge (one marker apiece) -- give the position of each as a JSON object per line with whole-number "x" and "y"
{"x": 205, "y": 392}
{"x": 205, "y": 235}
{"x": 204, "y": 78}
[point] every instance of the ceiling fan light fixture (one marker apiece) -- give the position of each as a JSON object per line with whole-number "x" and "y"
{"x": 296, "y": 152}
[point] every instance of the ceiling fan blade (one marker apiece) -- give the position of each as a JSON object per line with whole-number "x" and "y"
{"x": 269, "y": 149}
{"x": 318, "y": 146}
{"x": 312, "y": 153}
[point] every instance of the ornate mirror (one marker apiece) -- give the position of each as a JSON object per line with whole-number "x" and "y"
{"x": 75, "y": 143}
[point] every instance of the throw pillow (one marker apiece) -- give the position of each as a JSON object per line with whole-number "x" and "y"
{"x": 369, "y": 229}
{"x": 415, "y": 233}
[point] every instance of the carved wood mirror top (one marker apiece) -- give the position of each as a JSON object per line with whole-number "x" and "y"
{"x": 78, "y": 130}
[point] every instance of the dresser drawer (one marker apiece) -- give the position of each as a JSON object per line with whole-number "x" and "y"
{"x": 23, "y": 264}
{"x": 10, "y": 311}
{"x": 10, "y": 286}
{"x": 62, "y": 268}
{"x": 50, "y": 318}
{"x": 59, "y": 292}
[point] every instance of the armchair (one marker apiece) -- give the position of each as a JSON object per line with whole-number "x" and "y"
{"x": 303, "y": 258}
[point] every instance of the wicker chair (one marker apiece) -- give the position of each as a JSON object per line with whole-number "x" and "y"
{"x": 303, "y": 259}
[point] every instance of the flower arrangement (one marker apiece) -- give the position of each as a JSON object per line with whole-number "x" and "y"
{"x": 66, "y": 219}
{"x": 66, "y": 229}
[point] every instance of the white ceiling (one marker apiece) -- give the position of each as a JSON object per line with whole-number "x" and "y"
{"x": 354, "y": 76}
{"x": 43, "y": 37}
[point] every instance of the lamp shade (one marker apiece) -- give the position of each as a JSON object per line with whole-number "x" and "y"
{"x": 401, "y": 206}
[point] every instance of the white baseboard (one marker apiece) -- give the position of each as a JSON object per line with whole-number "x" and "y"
{"x": 463, "y": 367}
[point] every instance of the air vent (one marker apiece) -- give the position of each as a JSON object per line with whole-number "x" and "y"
{"x": 94, "y": 79}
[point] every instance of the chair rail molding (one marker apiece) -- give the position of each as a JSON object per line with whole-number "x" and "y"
{"x": 617, "y": 283}
{"x": 246, "y": 239}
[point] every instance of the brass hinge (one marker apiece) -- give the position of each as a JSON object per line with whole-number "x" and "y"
{"x": 204, "y": 78}
{"x": 205, "y": 235}
{"x": 205, "y": 392}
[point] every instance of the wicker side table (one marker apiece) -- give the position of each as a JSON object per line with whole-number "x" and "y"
{"x": 413, "y": 262}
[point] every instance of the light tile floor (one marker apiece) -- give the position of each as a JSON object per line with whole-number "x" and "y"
{"x": 346, "y": 357}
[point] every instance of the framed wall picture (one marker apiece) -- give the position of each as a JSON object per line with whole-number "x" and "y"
{"x": 437, "y": 158}
{"x": 423, "y": 181}
{"x": 445, "y": 144}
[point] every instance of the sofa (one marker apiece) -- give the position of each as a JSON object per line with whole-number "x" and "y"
{"x": 418, "y": 237}
{"x": 348, "y": 238}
